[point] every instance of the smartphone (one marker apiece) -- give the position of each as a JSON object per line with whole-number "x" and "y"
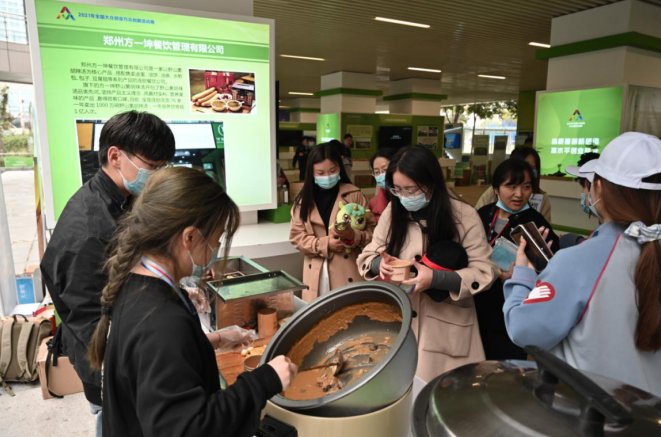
{"x": 537, "y": 250}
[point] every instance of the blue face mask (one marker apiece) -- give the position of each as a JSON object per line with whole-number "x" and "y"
{"x": 584, "y": 205}
{"x": 136, "y": 186}
{"x": 502, "y": 206}
{"x": 199, "y": 270}
{"x": 380, "y": 180}
{"x": 415, "y": 203}
{"x": 327, "y": 182}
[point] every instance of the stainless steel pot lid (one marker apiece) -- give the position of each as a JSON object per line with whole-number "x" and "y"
{"x": 549, "y": 397}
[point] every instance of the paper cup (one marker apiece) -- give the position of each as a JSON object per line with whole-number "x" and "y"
{"x": 401, "y": 270}
{"x": 267, "y": 322}
{"x": 251, "y": 363}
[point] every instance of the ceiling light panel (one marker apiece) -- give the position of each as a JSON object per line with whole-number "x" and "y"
{"x": 402, "y": 22}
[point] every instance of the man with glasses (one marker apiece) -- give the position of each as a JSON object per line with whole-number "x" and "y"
{"x": 132, "y": 146}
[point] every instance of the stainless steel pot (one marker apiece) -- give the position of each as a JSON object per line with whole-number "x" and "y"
{"x": 384, "y": 383}
{"x": 524, "y": 398}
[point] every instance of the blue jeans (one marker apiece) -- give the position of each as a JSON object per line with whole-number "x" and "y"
{"x": 97, "y": 410}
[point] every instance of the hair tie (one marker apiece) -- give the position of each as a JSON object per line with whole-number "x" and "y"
{"x": 644, "y": 234}
{"x": 106, "y": 311}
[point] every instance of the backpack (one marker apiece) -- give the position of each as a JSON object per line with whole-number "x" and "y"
{"x": 20, "y": 338}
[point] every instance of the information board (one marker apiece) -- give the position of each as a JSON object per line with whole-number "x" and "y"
{"x": 210, "y": 77}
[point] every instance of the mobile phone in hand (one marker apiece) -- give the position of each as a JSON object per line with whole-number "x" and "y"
{"x": 537, "y": 250}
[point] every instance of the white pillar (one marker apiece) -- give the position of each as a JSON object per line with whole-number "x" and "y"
{"x": 415, "y": 96}
{"x": 619, "y": 64}
{"x": 348, "y": 92}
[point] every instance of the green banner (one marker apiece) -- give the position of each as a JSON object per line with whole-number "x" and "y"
{"x": 134, "y": 43}
{"x": 97, "y": 61}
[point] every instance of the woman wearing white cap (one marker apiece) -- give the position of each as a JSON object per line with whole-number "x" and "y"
{"x": 598, "y": 305}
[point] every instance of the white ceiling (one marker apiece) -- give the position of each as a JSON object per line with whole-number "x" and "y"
{"x": 466, "y": 38}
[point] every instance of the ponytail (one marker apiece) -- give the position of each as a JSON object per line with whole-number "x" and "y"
{"x": 118, "y": 267}
{"x": 648, "y": 280}
{"x": 173, "y": 199}
{"x": 626, "y": 205}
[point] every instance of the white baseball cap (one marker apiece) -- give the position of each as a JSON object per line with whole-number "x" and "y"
{"x": 575, "y": 170}
{"x": 627, "y": 160}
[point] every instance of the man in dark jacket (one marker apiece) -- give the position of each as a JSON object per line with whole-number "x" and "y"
{"x": 301, "y": 156}
{"x": 132, "y": 145}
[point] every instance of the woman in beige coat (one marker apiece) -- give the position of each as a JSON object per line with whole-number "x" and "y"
{"x": 329, "y": 255}
{"x": 422, "y": 212}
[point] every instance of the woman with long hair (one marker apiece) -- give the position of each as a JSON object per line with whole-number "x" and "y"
{"x": 159, "y": 369}
{"x": 423, "y": 213}
{"x": 329, "y": 253}
{"x": 597, "y": 305}
{"x": 513, "y": 184}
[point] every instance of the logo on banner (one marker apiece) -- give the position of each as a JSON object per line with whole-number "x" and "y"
{"x": 543, "y": 292}
{"x": 576, "y": 119}
{"x": 66, "y": 14}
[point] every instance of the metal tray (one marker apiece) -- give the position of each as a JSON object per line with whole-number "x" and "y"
{"x": 239, "y": 266}
{"x": 254, "y": 285}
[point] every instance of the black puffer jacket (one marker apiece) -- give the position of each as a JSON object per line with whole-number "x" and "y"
{"x": 72, "y": 268}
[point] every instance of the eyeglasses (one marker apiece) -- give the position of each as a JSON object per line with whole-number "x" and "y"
{"x": 404, "y": 191}
{"x": 149, "y": 165}
{"x": 379, "y": 172}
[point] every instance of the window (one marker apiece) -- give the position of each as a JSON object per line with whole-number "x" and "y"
{"x": 12, "y": 22}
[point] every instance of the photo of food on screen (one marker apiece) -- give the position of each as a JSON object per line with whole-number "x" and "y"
{"x": 222, "y": 91}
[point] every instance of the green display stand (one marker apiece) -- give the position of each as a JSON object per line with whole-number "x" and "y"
{"x": 282, "y": 214}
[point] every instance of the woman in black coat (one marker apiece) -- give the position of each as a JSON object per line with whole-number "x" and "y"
{"x": 513, "y": 184}
{"x": 159, "y": 369}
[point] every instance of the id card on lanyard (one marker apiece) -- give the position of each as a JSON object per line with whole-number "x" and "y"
{"x": 163, "y": 275}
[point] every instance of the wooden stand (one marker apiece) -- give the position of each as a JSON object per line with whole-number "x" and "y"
{"x": 230, "y": 364}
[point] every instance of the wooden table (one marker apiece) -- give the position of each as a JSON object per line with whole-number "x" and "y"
{"x": 230, "y": 363}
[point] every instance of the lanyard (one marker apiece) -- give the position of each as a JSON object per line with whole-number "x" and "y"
{"x": 163, "y": 275}
{"x": 493, "y": 225}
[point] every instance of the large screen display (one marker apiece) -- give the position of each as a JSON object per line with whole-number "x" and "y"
{"x": 395, "y": 137}
{"x": 570, "y": 123}
{"x": 209, "y": 77}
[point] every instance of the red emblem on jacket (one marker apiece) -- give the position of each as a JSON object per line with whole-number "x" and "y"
{"x": 543, "y": 292}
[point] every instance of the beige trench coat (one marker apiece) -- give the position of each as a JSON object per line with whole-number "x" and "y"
{"x": 311, "y": 238}
{"x": 447, "y": 332}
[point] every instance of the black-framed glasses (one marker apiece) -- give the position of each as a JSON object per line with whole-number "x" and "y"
{"x": 150, "y": 166}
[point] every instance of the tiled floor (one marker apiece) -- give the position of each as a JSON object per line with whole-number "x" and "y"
{"x": 28, "y": 415}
